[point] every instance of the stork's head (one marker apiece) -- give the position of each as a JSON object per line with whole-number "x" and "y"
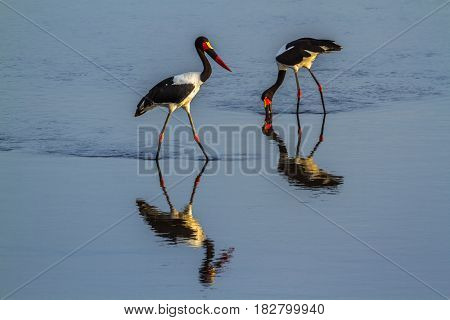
{"x": 266, "y": 98}
{"x": 203, "y": 44}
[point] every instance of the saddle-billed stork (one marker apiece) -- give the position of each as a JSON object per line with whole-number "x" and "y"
{"x": 178, "y": 91}
{"x": 295, "y": 55}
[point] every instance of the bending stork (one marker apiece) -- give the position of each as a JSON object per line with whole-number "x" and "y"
{"x": 295, "y": 55}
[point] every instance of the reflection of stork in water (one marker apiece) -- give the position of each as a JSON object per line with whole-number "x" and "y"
{"x": 303, "y": 171}
{"x": 181, "y": 227}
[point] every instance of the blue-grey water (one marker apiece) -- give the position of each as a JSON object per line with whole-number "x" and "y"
{"x": 366, "y": 218}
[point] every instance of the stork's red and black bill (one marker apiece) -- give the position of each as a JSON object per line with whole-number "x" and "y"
{"x": 210, "y": 51}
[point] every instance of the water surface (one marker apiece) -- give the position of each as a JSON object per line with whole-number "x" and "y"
{"x": 320, "y": 222}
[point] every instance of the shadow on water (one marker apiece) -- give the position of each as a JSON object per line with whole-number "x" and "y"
{"x": 181, "y": 227}
{"x": 303, "y": 171}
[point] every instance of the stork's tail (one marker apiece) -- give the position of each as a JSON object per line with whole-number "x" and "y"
{"x": 143, "y": 106}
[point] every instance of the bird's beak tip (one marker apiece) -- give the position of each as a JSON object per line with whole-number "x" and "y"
{"x": 226, "y": 67}
{"x": 221, "y": 63}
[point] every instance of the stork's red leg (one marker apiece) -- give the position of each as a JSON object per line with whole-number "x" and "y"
{"x": 319, "y": 86}
{"x": 299, "y": 95}
{"x": 161, "y": 135}
{"x": 196, "y": 137}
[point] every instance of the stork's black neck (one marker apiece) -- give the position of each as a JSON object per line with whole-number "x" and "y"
{"x": 271, "y": 91}
{"x": 206, "y": 73}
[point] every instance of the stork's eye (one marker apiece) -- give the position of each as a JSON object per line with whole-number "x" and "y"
{"x": 207, "y": 46}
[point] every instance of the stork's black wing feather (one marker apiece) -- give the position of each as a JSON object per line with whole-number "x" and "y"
{"x": 292, "y": 57}
{"x": 314, "y": 45}
{"x": 299, "y": 49}
{"x": 168, "y": 92}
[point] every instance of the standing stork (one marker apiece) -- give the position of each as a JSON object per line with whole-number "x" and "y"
{"x": 295, "y": 55}
{"x": 178, "y": 91}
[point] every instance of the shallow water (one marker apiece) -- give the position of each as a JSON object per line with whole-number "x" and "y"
{"x": 246, "y": 235}
{"x": 70, "y": 145}
{"x": 54, "y": 100}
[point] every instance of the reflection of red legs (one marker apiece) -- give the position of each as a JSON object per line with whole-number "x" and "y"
{"x": 321, "y": 138}
{"x": 197, "y": 181}
{"x": 224, "y": 258}
{"x": 162, "y": 183}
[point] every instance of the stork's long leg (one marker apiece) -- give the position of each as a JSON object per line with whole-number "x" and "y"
{"x": 196, "y": 137}
{"x": 299, "y": 95}
{"x": 319, "y": 86}
{"x": 161, "y": 135}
